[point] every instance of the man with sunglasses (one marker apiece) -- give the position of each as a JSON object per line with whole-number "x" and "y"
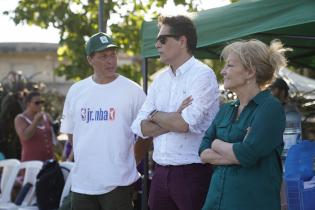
{"x": 97, "y": 115}
{"x": 33, "y": 127}
{"x": 181, "y": 104}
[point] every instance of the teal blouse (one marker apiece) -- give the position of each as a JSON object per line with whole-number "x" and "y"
{"x": 257, "y": 138}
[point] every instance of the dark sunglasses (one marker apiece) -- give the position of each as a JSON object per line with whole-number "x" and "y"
{"x": 38, "y": 102}
{"x": 162, "y": 38}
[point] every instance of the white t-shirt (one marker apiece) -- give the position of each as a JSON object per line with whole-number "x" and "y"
{"x": 99, "y": 116}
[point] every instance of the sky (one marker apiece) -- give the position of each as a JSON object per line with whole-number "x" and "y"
{"x": 25, "y": 33}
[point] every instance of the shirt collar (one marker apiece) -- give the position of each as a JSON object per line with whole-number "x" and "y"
{"x": 258, "y": 99}
{"x": 184, "y": 67}
{"x": 261, "y": 96}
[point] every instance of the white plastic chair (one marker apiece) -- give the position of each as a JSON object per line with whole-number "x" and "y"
{"x": 66, "y": 188}
{"x": 10, "y": 169}
{"x": 32, "y": 168}
{"x": 66, "y": 168}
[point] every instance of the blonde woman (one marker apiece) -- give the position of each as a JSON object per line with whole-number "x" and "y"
{"x": 245, "y": 140}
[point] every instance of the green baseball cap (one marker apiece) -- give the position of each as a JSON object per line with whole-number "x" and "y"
{"x": 99, "y": 42}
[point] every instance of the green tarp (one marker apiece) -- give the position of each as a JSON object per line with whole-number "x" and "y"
{"x": 291, "y": 21}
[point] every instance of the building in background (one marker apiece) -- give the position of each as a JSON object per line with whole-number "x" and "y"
{"x": 38, "y": 61}
{"x": 35, "y": 61}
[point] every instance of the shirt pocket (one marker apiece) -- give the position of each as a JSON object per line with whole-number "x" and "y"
{"x": 222, "y": 131}
{"x": 237, "y": 133}
{"x": 162, "y": 98}
{"x": 177, "y": 96}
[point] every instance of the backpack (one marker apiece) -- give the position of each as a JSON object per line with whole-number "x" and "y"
{"x": 49, "y": 185}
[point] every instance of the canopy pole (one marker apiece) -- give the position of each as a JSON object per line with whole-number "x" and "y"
{"x": 144, "y": 71}
{"x": 101, "y": 16}
{"x": 145, "y": 178}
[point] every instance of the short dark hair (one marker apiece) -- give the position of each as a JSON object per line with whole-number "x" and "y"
{"x": 280, "y": 84}
{"x": 30, "y": 95}
{"x": 182, "y": 26}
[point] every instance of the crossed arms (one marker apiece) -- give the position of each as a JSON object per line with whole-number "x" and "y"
{"x": 221, "y": 153}
{"x": 164, "y": 122}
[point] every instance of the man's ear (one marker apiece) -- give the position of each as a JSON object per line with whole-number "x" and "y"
{"x": 183, "y": 41}
{"x": 89, "y": 59}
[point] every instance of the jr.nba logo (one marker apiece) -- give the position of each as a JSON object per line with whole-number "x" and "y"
{"x": 88, "y": 115}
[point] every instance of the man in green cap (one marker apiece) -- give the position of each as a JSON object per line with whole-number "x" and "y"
{"x": 97, "y": 115}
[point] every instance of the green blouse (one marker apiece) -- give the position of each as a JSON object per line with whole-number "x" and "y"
{"x": 257, "y": 137}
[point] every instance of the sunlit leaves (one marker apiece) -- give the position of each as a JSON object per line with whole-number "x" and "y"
{"x": 78, "y": 19}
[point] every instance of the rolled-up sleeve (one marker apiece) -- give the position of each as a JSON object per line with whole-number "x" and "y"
{"x": 205, "y": 105}
{"x": 265, "y": 135}
{"x": 208, "y": 138}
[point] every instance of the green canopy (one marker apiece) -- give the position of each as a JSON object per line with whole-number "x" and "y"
{"x": 291, "y": 21}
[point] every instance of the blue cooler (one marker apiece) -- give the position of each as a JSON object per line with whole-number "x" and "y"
{"x": 299, "y": 176}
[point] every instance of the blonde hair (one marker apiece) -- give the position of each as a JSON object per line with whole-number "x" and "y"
{"x": 254, "y": 54}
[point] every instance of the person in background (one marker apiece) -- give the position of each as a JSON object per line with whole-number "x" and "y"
{"x": 245, "y": 139}
{"x": 292, "y": 133}
{"x": 97, "y": 116}
{"x": 181, "y": 103}
{"x": 34, "y": 128}
{"x": 280, "y": 89}
{"x": 293, "y": 128}
{"x": 67, "y": 153}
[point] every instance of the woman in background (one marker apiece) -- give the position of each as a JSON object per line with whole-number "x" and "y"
{"x": 245, "y": 140}
{"x": 33, "y": 127}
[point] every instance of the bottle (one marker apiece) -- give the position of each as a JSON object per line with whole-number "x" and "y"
{"x": 292, "y": 132}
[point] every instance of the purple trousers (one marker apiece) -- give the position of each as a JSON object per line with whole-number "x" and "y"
{"x": 181, "y": 187}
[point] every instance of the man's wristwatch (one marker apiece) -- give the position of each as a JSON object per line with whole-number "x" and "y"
{"x": 151, "y": 115}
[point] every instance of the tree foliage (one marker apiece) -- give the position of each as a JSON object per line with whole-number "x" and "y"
{"x": 76, "y": 20}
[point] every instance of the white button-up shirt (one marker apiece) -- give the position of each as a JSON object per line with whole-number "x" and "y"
{"x": 166, "y": 94}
